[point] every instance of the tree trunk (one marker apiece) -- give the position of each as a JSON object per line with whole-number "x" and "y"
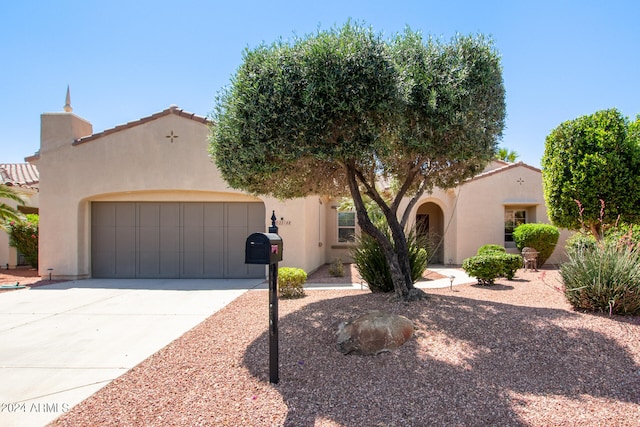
{"x": 398, "y": 257}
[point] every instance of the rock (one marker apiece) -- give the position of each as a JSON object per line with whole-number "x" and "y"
{"x": 373, "y": 333}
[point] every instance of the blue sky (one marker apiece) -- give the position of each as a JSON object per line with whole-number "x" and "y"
{"x": 129, "y": 59}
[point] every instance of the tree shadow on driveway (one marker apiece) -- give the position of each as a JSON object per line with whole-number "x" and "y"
{"x": 470, "y": 362}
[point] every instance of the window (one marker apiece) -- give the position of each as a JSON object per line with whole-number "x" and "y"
{"x": 512, "y": 219}
{"x": 346, "y": 227}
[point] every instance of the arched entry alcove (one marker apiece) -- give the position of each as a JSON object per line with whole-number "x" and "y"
{"x": 430, "y": 225}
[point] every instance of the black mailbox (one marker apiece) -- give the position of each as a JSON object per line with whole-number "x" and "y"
{"x": 263, "y": 248}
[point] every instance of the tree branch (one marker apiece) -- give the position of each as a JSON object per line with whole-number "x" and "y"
{"x": 412, "y": 202}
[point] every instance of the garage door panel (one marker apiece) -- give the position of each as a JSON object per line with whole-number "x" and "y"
{"x": 104, "y": 215}
{"x": 107, "y": 238}
{"x": 169, "y": 264}
{"x": 237, "y": 215}
{"x": 149, "y": 214}
{"x": 125, "y": 239}
{"x": 193, "y": 213}
{"x": 213, "y": 239}
{"x": 214, "y": 215}
{"x": 149, "y": 239}
{"x": 214, "y": 265}
{"x": 193, "y": 239}
{"x": 256, "y": 216}
{"x": 169, "y": 214}
{"x": 148, "y": 263}
{"x": 125, "y": 214}
{"x": 105, "y": 264}
{"x": 125, "y": 264}
{"x": 173, "y": 239}
{"x": 169, "y": 239}
{"x": 192, "y": 265}
{"x": 235, "y": 263}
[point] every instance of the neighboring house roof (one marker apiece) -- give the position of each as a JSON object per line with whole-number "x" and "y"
{"x": 173, "y": 109}
{"x": 23, "y": 175}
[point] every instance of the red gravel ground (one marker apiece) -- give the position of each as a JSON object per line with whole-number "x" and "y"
{"x": 512, "y": 354}
{"x": 24, "y": 276}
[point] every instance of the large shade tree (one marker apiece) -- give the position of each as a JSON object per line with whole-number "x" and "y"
{"x": 590, "y": 171}
{"x": 337, "y": 112}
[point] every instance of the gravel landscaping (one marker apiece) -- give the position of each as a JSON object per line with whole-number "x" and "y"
{"x": 512, "y": 354}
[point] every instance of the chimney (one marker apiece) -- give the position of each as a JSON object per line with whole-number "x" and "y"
{"x": 62, "y": 129}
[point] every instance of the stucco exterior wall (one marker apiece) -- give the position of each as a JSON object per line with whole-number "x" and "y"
{"x": 474, "y": 211}
{"x": 298, "y": 221}
{"x": 164, "y": 158}
{"x": 140, "y": 163}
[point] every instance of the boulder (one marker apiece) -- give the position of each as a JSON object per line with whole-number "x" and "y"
{"x": 373, "y": 333}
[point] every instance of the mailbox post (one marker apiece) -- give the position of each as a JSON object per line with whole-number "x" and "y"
{"x": 266, "y": 248}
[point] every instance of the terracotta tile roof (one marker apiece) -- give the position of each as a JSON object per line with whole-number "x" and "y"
{"x": 506, "y": 167}
{"x": 171, "y": 110}
{"x": 20, "y": 175}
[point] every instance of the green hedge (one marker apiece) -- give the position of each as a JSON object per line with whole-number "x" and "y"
{"x": 486, "y": 268}
{"x": 291, "y": 282}
{"x": 490, "y": 248}
{"x": 542, "y": 237}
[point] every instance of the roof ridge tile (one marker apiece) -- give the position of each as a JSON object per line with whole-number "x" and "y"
{"x": 173, "y": 109}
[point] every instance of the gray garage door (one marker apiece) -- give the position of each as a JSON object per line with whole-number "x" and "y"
{"x": 173, "y": 240}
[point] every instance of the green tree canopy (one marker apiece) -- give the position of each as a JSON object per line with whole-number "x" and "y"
{"x": 506, "y": 155}
{"x": 590, "y": 171}
{"x": 336, "y": 112}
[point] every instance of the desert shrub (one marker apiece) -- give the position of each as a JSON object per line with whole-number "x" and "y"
{"x": 490, "y": 248}
{"x": 542, "y": 237}
{"x": 485, "y": 268}
{"x": 291, "y": 282}
{"x": 628, "y": 234}
{"x": 604, "y": 278}
{"x": 336, "y": 269}
{"x": 491, "y": 265}
{"x": 372, "y": 264}
{"x": 23, "y": 235}
{"x": 510, "y": 264}
{"x": 580, "y": 242}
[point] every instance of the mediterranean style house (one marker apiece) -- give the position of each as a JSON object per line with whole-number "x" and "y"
{"x": 144, "y": 200}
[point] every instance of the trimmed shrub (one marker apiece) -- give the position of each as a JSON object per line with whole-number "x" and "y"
{"x": 490, "y": 248}
{"x": 605, "y": 278}
{"x": 23, "y": 235}
{"x": 486, "y": 268}
{"x": 336, "y": 269}
{"x": 372, "y": 264}
{"x": 291, "y": 282}
{"x": 510, "y": 264}
{"x": 542, "y": 237}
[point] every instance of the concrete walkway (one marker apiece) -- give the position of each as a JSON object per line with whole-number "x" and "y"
{"x": 61, "y": 343}
{"x": 459, "y": 278}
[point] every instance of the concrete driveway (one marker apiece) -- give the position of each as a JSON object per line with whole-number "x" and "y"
{"x": 60, "y": 343}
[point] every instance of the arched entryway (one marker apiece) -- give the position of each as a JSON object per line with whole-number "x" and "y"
{"x": 430, "y": 225}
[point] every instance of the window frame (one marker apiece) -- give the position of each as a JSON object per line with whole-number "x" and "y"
{"x": 511, "y": 215}
{"x": 340, "y": 227}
